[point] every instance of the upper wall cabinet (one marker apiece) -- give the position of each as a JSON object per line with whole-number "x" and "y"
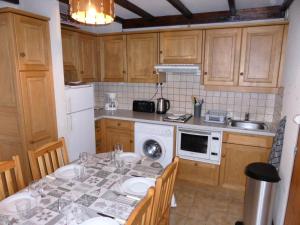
{"x": 181, "y": 47}
{"x": 113, "y": 58}
{"x": 70, "y": 55}
{"x": 80, "y": 56}
{"x": 142, "y": 56}
{"x": 70, "y": 46}
{"x": 32, "y": 43}
{"x": 87, "y": 58}
{"x": 222, "y": 56}
{"x": 260, "y": 56}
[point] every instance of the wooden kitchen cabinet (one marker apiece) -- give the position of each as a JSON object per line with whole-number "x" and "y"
{"x": 87, "y": 58}
{"x": 180, "y": 47}
{"x": 113, "y": 58}
{"x": 142, "y": 56}
{"x": 32, "y": 42}
{"x": 198, "y": 172}
{"x": 37, "y": 98}
{"x": 222, "y": 56}
{"x": 27, "y": 109}
{"x": 238, "y": 151}
{"x": 110, "y": 132}
{"x": 70, "y": 55}
{"x": 260, "y": 56}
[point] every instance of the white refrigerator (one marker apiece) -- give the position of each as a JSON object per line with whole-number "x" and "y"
{"x": 80, "y": 120}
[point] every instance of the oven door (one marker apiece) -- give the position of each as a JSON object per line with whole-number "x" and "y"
{"x": 193, "y": 144}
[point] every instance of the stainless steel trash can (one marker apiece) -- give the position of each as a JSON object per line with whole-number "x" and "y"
{"x": 258, "y": 200}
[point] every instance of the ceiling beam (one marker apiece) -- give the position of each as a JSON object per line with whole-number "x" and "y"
{"x": 286, "y": 4}
{"x": 232, "y": 7}
{"x": 119, "y": 20}
{"x": 272, "y": 12}
{"x": 181, "y": 8}
{"x": 135, "y": 9}
{"x": 12, "y": 1}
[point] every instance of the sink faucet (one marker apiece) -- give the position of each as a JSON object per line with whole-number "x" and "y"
{"x": 246, "y": 116}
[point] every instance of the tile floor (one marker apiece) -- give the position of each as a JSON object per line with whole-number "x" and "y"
{"x": 206, "y": 205}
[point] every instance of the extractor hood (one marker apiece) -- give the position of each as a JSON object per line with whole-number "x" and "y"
{"x": 178, "y": 68}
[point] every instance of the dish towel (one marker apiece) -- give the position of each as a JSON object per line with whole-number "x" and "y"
{"x": 275, "y": 155}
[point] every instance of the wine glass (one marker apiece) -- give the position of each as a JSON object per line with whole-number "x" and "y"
{"x": 83, "y": 157}
{"x": 23, "y": 207}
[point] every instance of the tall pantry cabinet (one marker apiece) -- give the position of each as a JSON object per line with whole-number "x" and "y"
{"x": 27, "y": 111}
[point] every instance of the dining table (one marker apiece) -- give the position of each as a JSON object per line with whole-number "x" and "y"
{"x": 97, "y": 192}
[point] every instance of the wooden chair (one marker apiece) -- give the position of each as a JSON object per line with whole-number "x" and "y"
{"x": 10, "y": 182}
{"x": 141, "y": 215}
{"x": 48, "y": 158}
{"x": 164, "y": 189}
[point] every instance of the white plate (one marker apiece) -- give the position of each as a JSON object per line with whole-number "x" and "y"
{"x": 137, "y": 186}
{"x": 67, "y": 172}
{"x": 173, "y": 117}
{"x": 8, "y": 205}
{"x": 130, "y": 157}
{"x": 100, "y": 220}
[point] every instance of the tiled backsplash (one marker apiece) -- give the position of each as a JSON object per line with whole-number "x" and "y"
{"x": 180, "y": 88}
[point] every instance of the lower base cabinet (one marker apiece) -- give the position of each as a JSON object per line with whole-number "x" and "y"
{"x": 110, "y": 132}
{"x": 238, "y": 151}
{"x": 198, "y": 172}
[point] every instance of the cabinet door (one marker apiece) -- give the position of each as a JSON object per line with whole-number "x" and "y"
{"x": 222, "y": 56}
{"x": 87, "y": 58}
{"x": 142, "y": 56}
{"x": 181, "y": 47}
{"x": 113, "y": 58}
{"x": 70, "y": 49}
{"x": 260, "y": 56}
{"x": 38, "y": 106}
{"x": 235, "y": 158}
{"x": 33, "y": 48}
{"x": 114, "y": 136}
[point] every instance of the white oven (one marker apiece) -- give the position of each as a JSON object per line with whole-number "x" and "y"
{"x": 199, "y": 145}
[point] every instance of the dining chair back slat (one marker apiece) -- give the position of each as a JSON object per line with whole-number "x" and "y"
{"x": 54, "y": 160}
{"x": 11, "y": 178}
{"x": 164, "y": 189}
{"x": 48, "y": 158}
{"x": 143, "y": 211}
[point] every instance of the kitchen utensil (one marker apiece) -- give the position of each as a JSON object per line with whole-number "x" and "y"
{"x": 163, "y": 105}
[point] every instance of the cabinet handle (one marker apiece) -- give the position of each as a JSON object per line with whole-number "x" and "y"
{"x": 241, "y": 73}
{"x": 119, "y": 124}
{"x": 124, "y": 71}
{"x": 22, "y": 54}
{"x": 205, "y": 73}
{"x": 160, "y": 52}
{"x": 81, "y": 72}
{"x": 131, "y": 141}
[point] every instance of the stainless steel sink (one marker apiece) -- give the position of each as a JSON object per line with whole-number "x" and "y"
{"x": 248, "y": 125}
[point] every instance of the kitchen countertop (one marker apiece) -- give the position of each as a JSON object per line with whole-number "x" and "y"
{"x": 193, "y": 122}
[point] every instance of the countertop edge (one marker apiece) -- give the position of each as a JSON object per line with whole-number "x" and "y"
{"x": 225, "y": 129}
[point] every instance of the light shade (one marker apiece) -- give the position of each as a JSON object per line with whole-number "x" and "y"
{"x": 92, "y": 11}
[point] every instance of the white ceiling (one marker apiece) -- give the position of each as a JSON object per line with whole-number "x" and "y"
{"x": 164, "y": 8}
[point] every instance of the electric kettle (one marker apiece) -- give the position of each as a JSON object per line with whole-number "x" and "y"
{"x": 163, "y": 105}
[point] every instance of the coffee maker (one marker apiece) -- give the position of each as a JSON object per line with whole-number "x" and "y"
{"x": 111, "y": 101}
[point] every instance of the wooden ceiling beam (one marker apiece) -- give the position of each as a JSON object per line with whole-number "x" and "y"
{"x": 181, "y": 8}
{"x": 12, "y": 1}
{"x": 135, "y": 9}
{"x": 286, "y": 4}
{"x": 119, "y": 20}
{"x": 272, "y": 12}
{"x": 232, "y": 7}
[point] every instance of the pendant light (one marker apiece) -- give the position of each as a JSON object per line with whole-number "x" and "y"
{"x": 92, "y": 12}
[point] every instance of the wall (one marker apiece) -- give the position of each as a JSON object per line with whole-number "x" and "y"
{"x": 50, "y": 8}
{"x": 180, "y": 88}
{"x": 291, "y": 107}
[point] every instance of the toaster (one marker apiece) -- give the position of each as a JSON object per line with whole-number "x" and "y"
{"x": 143, "y": 106}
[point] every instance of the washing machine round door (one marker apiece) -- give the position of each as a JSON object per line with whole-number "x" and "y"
{"x": 152, "y": 149}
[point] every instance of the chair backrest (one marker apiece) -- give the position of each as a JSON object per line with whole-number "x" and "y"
{"x": 48, "y": 158}
{"x": 141, "y": 215}
{"x": 164, "y": 189}
{"x": 11, "y": 178}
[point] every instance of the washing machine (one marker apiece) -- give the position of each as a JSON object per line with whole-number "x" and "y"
{"x": 155, "y": 141}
